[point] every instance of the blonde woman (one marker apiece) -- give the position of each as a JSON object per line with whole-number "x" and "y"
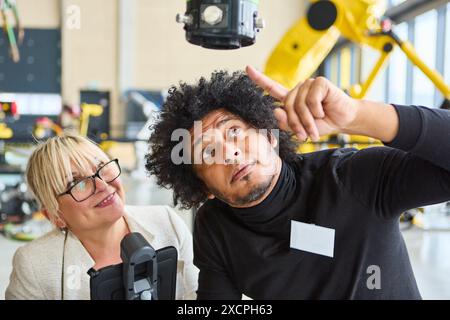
{"x": 79, "y": 189}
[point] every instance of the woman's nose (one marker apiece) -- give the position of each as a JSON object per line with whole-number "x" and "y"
{"x": 100, "y": 184}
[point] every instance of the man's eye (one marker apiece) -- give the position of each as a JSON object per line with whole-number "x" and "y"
{"x": 234, "y": 132}
{"x": 209, "y": 152}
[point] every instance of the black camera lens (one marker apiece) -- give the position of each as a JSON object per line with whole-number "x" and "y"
{"x": 221, "y": 24}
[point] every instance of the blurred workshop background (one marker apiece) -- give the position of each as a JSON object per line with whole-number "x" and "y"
{"x": 103, "y": 68}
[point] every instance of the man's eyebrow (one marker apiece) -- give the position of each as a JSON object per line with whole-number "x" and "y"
{"x": 219, "y": 124}
{"x": 223, "y": 121}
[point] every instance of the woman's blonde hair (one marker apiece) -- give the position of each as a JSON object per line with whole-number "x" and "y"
{"x": 49, "y": 169}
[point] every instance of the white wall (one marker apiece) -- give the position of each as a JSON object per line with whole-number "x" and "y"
{"x": 39, "y": 13}
{"x": 163, "y": 56}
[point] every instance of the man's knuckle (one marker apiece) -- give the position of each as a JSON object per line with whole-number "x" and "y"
{"x": 311, "y": 101}
{"x": 292, "y": 123}
{"x": 309, "y": 126}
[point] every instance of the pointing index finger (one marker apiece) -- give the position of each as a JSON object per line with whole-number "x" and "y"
{"x": 275, "y": 89}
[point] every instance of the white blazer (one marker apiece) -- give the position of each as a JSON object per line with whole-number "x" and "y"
{"x": 37, "y": 266}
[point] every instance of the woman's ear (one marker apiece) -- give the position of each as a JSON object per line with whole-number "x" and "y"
{"x": 46, "y": 214}
{"x": 210, "y": 196}
{"x": 58, "y": 221}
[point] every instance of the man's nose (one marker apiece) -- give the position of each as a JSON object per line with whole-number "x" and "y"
{"x": 232, "y": 153}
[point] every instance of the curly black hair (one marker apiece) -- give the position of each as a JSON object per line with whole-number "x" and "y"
{"x": 235, "y": 93}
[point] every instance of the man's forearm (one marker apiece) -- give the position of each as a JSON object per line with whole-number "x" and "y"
{"x": 374, "y": 119}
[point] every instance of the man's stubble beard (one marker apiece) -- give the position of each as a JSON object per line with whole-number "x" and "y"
{"x": 254, "y": 195}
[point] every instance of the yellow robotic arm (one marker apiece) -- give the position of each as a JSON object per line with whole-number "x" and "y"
{"x": 304, "y": 47}
{"x": 87, "y": 111}
{"x": 93, "y": 110}
{"x": 301, "y": 51}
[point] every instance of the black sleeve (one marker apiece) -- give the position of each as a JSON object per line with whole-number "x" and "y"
{"x": 213, "y": 280}
{"x": 412, "y": 171}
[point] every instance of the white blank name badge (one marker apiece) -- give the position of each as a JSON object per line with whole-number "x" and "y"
{"x": 312, "y": 238}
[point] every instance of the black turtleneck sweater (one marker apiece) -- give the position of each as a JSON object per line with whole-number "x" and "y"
{"x": 359, "y": 194}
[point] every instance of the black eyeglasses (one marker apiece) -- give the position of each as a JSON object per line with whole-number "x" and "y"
{"x": 83, "y": 189}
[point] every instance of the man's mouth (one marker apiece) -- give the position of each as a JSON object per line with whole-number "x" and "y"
{"x": 241, "y": 171}
{"x": 106, "y": 201}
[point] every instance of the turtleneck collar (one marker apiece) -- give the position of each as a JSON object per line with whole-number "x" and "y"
{"x": 271, "y": 214}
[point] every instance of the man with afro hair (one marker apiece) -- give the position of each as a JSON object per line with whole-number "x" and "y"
{"x": 274, "y": 224}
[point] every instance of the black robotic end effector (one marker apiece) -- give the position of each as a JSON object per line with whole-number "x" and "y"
{"x": 135, "y": 251}
{"x": 221, "y": 24}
